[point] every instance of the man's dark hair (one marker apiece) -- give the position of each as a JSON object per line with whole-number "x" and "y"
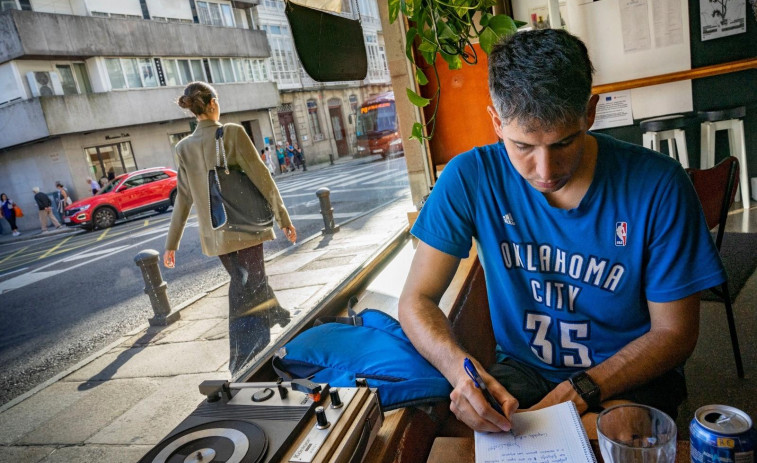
{"x": 541, "y": 78}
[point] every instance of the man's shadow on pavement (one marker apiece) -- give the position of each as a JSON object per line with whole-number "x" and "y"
{"x": 109, "y": 371}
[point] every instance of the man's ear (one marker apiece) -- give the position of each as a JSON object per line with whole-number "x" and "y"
{"x": 591, "y": 110}
{"x": 496, "y": 121}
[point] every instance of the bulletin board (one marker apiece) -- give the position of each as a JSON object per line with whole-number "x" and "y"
{"x": 631, "y": 39}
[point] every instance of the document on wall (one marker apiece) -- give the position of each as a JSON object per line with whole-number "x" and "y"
{"x": 552, "y": 434}
{"x": 668, "y": 22}
{"x": 720, "y": 19}
{"x": 613, "y": 110}
{"x": 634, "y": 25}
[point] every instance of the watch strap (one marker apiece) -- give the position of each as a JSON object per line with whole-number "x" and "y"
{"x": 589, "y": 391}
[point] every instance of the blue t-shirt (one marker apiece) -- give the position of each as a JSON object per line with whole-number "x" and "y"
{"x": 569, "y": 288}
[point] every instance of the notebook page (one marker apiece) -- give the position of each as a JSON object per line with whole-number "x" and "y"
{"x": 549, "y": 435}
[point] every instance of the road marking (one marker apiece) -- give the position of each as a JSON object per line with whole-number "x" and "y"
{"x": 11, "y": 255}
{"x": 13, "y": 271}
{"x": 38, "y": 275}
{"x": 337, "y": 215}
{"x": 51, "y": 250}
{"x": 86, "y": 255}
{"x": 26, "y": 279}
{"x": 147, "y": 222}
{"x": 103, "y": 234}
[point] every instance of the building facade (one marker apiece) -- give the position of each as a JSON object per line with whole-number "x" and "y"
{"x": 321, "y": 116}
{"x": 88, "y": 87}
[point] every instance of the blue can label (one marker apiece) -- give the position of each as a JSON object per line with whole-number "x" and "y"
{"x": 722, "y": 434}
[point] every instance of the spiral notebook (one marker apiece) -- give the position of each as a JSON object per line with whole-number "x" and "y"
{"x": 552, "y": 434}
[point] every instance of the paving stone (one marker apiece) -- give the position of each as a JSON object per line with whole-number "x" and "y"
{"x": 190, "y": 330}
{"x": 219, "y": 331}
{"x": 159, "y": 360}
{"x": 325, "y": 262}
{"x": 98, "y": 453}
{"x": 211, "y": 306}
{"x": 24, "y": 454}
{"x": 293, "y": 262}
{"x": 295, "y": 297}
{"x": 309, "y": 278}
{"x": 84, "y": 418}
{"x": 156, "y": 415}
{"x": 38, "y": 409}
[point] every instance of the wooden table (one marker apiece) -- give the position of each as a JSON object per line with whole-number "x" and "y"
{"x": 460, "y": 450}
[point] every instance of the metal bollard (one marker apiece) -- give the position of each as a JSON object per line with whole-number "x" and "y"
{"x": 327, "y": 211}
{"x": 155, "y": 287}
{"x": 331, "y": 159}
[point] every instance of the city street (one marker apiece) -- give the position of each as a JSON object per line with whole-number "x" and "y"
{"x": 64, "y": 297}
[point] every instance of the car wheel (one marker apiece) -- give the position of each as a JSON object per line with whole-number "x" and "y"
{"x": 104, "y": 217}
{"x": 173, "y": 197}
{"x": 161, "y": 209}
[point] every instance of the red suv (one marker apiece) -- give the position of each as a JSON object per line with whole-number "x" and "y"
{"x": 124, "y": 196}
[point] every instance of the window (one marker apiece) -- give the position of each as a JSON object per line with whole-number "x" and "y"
{"x": 110, "y": 161}
{"x": 182, "y": 71}
{"x": 131, "y": 72}
{"x": 175, "y": 138}
{"x": 67, "y": 80}
{"x": 315, "y": 124}
{"x": 215, "y": 14}
{"x": 284, "y": 61}
{"x": 82, "y": 77}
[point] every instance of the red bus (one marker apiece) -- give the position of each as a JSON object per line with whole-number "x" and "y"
{"x": 377, "y": 129}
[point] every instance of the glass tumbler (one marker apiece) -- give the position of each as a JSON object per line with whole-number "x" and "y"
{"x": 633, "y": 433}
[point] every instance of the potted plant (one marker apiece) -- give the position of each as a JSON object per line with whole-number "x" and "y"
{"x": 445, "y": 30}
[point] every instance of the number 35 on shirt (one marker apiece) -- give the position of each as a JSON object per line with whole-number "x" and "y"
{"x": 559, "y": 343}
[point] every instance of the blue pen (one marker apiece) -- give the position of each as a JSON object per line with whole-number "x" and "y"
{"x": 479, "y": 382}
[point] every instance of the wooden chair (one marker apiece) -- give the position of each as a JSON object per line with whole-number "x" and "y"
{"x": 716, "y": 189}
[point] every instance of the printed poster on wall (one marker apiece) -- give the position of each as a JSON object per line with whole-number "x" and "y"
{"x": 613, "y": 110}
{"x": 722, "y": 18}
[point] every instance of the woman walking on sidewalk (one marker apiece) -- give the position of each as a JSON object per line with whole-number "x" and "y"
{"x": 9, "y": 212}
{"x": 253, "y": 307}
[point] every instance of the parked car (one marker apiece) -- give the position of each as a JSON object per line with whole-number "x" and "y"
{"x": 124, "y": 196}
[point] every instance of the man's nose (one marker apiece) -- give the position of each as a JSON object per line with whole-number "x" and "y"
{"x": 546, "y": 164}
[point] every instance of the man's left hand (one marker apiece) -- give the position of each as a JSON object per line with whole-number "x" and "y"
{"x": 563, "y": 392}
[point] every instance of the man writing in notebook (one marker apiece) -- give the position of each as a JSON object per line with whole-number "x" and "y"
{"x": 594, "y": 250}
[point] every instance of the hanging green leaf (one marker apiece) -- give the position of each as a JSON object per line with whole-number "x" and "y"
{"x": 485, "y": 17}
{"x": 502, "y": 25}
{"x": 416, "y": 99}
{"x": 394, "y": 10}
{"x": 420, "y": 77}
{"x": 487, "y": 39}
{"x": 417, "y": 132}
{"x": 409, "y": 40}
{"x": 443, "y": 30}
{"x": 453, "y": 61}
{"x": 427, "y": 46}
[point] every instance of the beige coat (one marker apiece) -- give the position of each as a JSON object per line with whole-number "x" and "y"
{"x": 197, "y": 155}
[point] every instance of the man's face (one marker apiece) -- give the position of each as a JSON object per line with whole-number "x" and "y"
{"x": 546, "y": 157}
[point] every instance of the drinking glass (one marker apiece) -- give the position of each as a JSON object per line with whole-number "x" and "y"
{"x": 633, "y": 433}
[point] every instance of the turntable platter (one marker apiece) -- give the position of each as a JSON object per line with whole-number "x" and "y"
{"x": 224, "y": 441}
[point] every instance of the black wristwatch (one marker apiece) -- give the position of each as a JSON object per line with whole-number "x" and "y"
{"x": 587, "y": 389}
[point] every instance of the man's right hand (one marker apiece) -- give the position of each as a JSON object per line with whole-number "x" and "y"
{"x": 470, "y": 406}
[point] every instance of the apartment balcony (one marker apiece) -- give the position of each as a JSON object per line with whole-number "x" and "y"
{"x": 28, "y": 34}
{"x": 44, "y": 117}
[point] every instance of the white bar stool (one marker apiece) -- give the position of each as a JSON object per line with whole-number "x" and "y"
{"x": 670, "y": 129}
{"x": 731, "y": 120}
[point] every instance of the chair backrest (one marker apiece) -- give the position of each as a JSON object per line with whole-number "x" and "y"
{"x": 716, "y": 188}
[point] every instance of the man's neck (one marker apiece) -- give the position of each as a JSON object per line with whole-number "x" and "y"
{"x": 570, "y": 196}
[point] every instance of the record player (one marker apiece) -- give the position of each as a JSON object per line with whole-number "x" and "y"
{"x": 297, "y": 422}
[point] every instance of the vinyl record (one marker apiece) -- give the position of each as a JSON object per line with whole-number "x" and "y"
{"x": 225, "y": 441}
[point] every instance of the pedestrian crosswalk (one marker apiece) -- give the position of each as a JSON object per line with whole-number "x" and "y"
{"x": 345, "y": 178}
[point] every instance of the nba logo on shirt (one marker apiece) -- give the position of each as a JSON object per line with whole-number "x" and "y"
{"x": 621, "y": 233}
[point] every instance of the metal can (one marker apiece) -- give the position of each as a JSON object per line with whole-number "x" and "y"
{"x": 722, "y": 434}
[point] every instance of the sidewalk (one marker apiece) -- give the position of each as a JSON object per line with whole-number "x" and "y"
{"x": 34, "y": 233}
{"x": 119, "y": 403}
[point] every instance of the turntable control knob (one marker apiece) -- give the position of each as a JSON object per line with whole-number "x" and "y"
{"x": 320, "y": 417}
{"x": 336, "y": 401}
